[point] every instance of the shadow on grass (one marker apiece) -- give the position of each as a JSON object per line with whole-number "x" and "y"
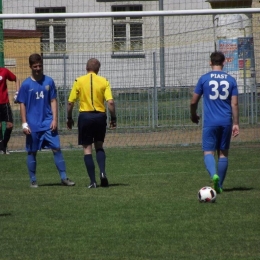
{"x": 113, "y": 185}
{"x": 51, "y": 184}
{"x": 59, "y": 184}
{"x": 237, "y": 189}
{"x": 5, "y": 215}
{"x": 118, "y": 184}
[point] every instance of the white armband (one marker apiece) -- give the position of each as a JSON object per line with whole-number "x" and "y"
{"x": 25, "y": 126}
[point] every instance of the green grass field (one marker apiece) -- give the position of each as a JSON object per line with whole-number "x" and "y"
{"x": 150, "y": 210}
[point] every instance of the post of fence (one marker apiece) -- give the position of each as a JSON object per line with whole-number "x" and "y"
{"x": 155, "y": 100}
{"x": 2, "y": 63}
{"x": 252, "y": 103}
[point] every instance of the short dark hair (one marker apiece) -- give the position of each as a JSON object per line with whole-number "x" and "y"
{"x": 35, "y": 58}
{"x": 217, "y": 58}
{"x": 93, "y": 65}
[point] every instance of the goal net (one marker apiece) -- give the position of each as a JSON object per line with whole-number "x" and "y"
{"x": 152, "y": 52}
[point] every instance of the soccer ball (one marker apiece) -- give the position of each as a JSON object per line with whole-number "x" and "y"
{"x": 207, "y": 194}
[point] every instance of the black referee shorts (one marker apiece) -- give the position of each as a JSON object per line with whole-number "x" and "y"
{"x": 6, "y": 114}
{"x": 91, "y": 127}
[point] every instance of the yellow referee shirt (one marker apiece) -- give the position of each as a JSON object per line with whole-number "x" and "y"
{"x": 92, "y": 91}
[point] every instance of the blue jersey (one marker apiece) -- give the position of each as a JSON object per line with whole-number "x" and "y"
{"x": 217, "y": 88}
{"x": 37, "y": 96}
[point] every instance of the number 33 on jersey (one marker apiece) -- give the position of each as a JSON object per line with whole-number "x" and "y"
{"x": 217, "y": 89}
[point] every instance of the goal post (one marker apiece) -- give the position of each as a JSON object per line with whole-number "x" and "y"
{"x": 152, "y": 67}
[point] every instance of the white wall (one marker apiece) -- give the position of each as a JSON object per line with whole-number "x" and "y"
{"x": 188, "y": 41}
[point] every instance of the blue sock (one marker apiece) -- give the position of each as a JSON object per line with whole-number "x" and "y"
{"x": 88, "y": 159}
{"x": 210, "y": 163}
{"x": 60, "y": 164}
{"x": 222, "y": 169}
{"x": 31, "y": 165}
{"x": 101, "y": 160}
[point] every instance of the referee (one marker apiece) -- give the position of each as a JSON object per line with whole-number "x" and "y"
{"x": 92, "y": 91}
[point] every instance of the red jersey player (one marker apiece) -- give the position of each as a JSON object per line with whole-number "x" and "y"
{"x": 6, "y": 114}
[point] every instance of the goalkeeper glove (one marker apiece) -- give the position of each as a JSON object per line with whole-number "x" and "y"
{"x": 15, "y": 97}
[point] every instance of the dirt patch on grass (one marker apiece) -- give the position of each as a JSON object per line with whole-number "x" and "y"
{"x": 183, "y": 137}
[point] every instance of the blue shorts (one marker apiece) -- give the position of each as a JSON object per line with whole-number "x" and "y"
{"x": 91, "y": 127}
{"x": 42, "y": 140}
{"x": 216, "y": 138}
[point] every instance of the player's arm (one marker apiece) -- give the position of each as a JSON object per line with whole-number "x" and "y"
{"x": 193, "y": 108}
{"x": 112, "y": 110}
{"x": 17, "y": 87}
{"x": 235, "y": 115}
{"x": 70, "y": 121}
{"x": 111, "y": 105}
{"x": 25, "y": 126}
{"x": 12, "y": 77}
{"x": 72, "y": 98}
{"x": 54, "y": 109}
{"x": 17, "y": 84}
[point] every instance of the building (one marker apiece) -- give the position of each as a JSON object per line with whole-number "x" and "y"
{"x": 144, "y": 51}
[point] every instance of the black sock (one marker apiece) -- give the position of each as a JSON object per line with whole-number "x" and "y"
{"x": 88, "y": 159}
{"x": 101, "y": 160}
{"x": 7, "y": 136}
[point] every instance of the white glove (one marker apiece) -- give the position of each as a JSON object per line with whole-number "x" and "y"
{"x": 15, "y": 97}
{"x": 25, "y": 126}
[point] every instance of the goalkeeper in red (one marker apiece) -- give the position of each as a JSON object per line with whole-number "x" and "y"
{"x": 220, "y": 117}
{"x": 92, "y": 91}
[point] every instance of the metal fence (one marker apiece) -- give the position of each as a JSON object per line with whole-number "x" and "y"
{"x": 151, "y": 117}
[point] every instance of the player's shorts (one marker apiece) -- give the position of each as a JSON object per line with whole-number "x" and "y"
{"x": 91, "y": 127}
{"x": 6, "y": 114}
{"x": 216, "y": 138}
{"x": 42, "y": 140}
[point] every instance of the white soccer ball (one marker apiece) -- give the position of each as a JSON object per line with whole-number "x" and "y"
{"x": 207, "y": 194}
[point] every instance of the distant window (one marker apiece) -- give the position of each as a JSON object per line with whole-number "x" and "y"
{"x": 127, "y": 31}
{"x": 53, "y": 30}
{"x": 10, "y": 62}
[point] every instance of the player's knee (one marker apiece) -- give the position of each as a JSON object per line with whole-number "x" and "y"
{"x": 31, "y": 153}
{"x": 100, "y": 150}
{"x": 223, "y": 153}
{"x": 9, "y": 125}
{"x": 98, "y": 145}
{"x": 56, "y": 150}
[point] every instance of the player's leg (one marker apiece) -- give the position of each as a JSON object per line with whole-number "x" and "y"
{"x": 100, "y": 153}
{"x": 8, "y": 118}
{"x": 101, "y": 160}
{"x": 31, "y": 166}
{"x": 210, "y": 138}
{"x": 50, "y": 139}
{"x": 85, "y": 138}
{"x": 1, "y": 135}
{"x": 1, "y": 130}
{"x": 90, "y": 165}
{"x": 223, "y": 154}
{"x": 209, "y": 148}
{"x": 7, "y": 136}
{"x": 32, "y": 147}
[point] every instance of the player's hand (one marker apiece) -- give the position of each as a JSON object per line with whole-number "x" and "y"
{"x": 235, "y": 130}
{"x": 70, "y": 123}
{"x": 112, "y": 124}
{"x": 26, "y": 129}
{"x": 53, "y": 125}
{"x": 15, "y": 97}
{"x": 195, "y": 118}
